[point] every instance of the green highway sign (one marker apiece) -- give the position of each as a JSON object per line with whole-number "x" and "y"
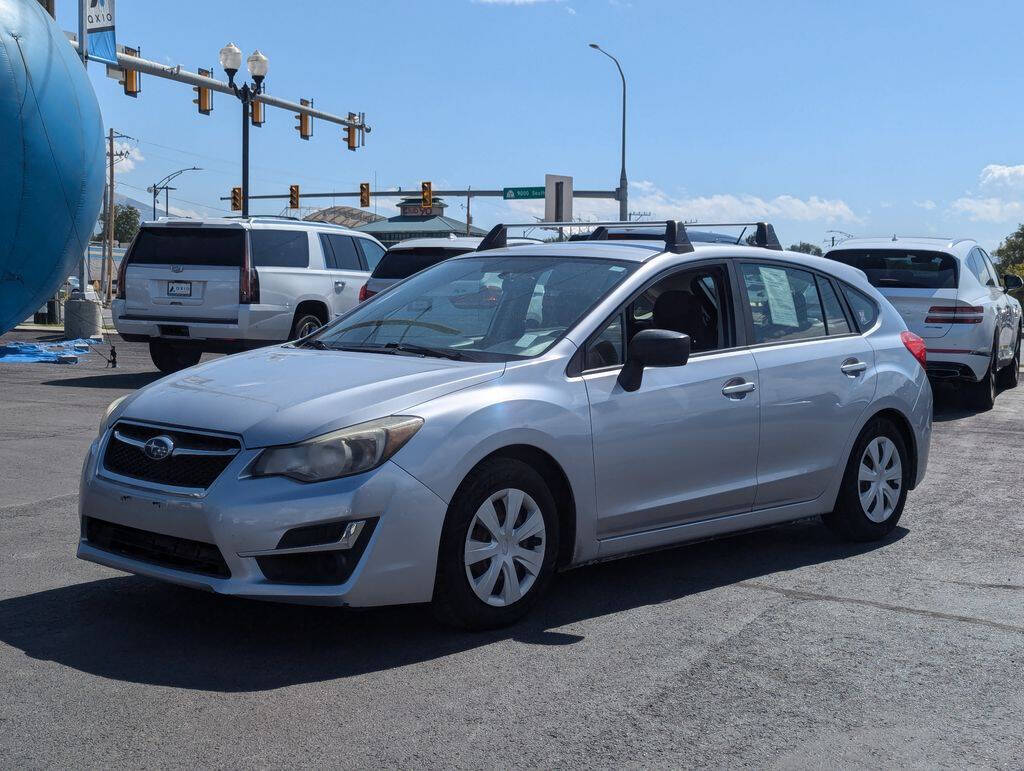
{"x": 521, "y": 193}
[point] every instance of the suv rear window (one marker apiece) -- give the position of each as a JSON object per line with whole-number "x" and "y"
{"x": 279, "y": 248}
{"x": 901, "y": 269}
{"x": 402, "y": 263}
{"x": 188, "y": 246}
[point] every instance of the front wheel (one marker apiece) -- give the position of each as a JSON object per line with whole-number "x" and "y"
{"x": 498, "y": 546}
{"x": 1010, "y": 375}
{"x": 171, "y": 357}
{"x": 874, "y": 488}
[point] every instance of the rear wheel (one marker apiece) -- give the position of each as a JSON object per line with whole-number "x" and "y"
{"x": 1010, "y": 375}
{"x": 305, "y": 324}
{"x": 874, "y": 488}
{"x": 983, "y": 393}
{"x": 171, "y": 357}
{"x": 498, "y": 546}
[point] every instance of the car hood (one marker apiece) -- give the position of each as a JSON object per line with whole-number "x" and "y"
{"x": 284, "y": 395}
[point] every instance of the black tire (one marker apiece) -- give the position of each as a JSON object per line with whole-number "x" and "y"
{"x": 1010, "y": 375}
{"x": 982, "y": 394}
{"x": 848, "y": 519}
{"x": 172, "y": 357}
{"x": 305, "y": 324}
{"x": 455, "y": 603}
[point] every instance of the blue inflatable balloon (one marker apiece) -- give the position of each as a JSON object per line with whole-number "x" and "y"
{"x": 51, "y": 159}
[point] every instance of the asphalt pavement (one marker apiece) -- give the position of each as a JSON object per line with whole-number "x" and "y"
{"x": 783, "y": 648}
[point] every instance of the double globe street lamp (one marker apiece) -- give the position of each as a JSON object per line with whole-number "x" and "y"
{"x": 257, "y": 64}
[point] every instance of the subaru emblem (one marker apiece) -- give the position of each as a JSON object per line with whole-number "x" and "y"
{"x": 159, "y": 447}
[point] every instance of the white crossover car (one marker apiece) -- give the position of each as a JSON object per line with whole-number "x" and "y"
{"x": 949, "y": 293}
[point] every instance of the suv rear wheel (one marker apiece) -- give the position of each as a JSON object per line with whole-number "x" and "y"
{"x": 874, "y": 488}
{"x": 171, "y": 357}
{"x": 305, "y": 324}
{"x": 1010, "y": 375}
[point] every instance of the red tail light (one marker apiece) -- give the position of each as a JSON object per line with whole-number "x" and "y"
{"x": 955, "y": 314}
{"x": 122, "y": 270}
{"x": 365, "y": 293}
{"x": 916, "y": 347}
{"x": 248, "y": 280}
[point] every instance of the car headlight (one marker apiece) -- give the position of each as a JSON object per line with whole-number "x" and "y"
{"x": 104, "y": 423}
{"x": 343, "y": 453}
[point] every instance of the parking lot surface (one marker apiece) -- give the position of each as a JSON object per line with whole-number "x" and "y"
{"x": 779, "y": 648}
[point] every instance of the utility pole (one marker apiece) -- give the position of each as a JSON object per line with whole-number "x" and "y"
{"x": 83, "y": 52}
{"x": 623, "y": 185}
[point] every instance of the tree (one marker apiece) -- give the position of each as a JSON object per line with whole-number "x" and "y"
{"x": 806, "y": 248}
{"x": 1011, "y": 252}
{"x": 126, "y": 223}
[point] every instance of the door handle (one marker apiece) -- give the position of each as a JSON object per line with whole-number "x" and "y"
{"x": 737, "y": 388}
{"x": 339, "y": 286}
{"x": 852, "y": 367}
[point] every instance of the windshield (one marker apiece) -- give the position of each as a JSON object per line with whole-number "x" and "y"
{"x": 901, "y": 269}
{"x": 402, "y": 263}
{"x": 478, "y": 308}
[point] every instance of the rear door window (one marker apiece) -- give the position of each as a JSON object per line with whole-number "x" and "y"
{"x": 784, "y": 303}
{"x": 865, "y": 312}
{"x": 402, "y": 263}
{"x": 343, "y": 254}
{"x": 901, "y": 268}
{"x": 189, "y": 246}
{"x": 279, "y": 248}
{"x": 835, "y": 317}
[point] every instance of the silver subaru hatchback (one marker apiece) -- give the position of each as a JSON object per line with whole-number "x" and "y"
{"x": 511, "y": 412}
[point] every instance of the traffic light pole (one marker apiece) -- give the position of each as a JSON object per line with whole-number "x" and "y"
{"x": 246, "y": 100}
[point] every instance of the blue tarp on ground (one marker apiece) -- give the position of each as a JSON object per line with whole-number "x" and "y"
{"x": 63, "y": 352}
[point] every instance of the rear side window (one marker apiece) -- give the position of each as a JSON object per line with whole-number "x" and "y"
{"x": 372, "y": 251}
{"x": 784, "y": 303}
{"x": 835, "y": 318}
{"x": 865, "y": 312}
{"x": 900, "y": 268}
{"x": 279, "y": 248}
{"x": 402, "y": 263}
{"x": 342, "y": 254}
{"x": 189, "y": 246}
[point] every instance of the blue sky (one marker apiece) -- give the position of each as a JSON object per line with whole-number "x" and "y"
{"x": 868, "y": 117}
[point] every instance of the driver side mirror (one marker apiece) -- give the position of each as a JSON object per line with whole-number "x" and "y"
{"x": 653, "y": 348}
{"x": 1012, "y": 281}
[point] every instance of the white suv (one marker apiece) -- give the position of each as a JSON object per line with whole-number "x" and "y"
{"x": 949, "y": 293}
{"x": 187, "y": 286}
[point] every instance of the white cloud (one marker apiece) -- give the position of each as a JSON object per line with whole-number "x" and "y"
{"x": 571, "y": 11}
{"x": 997, "y": 174}
{"x": 988, "y": 209}
{"x": 927, "y": 204}
{"x": 515, "y": 2}
{"x": 132, "y": 158}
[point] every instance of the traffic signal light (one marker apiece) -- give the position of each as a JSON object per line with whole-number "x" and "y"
{"x": 132, "y": 79}
{"x": 293, "y": 197}
{"x": 364, "y": 194}
{"x": 426, "y": 195}
{"x": 236, "y": 199}
{"x": 304, "y": 123}
{"x": 204, "y": 96}
{"x": 350, "y": 133}
{"x": 256, "y": 113}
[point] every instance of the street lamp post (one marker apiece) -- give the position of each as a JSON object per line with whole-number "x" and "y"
{"x": 162, "y": 185}
{"x": 623, "y": 189}
{"x": 257, "y": 63}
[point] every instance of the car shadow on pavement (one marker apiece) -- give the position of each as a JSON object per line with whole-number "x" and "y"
{"x": 138, "y": 630}
{"x": 122, "y": 380}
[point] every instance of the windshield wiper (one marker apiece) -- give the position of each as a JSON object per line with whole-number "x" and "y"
{"x": 422, "y": 350}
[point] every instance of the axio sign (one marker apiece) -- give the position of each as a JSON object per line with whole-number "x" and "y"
{"x": 99, "y": 24}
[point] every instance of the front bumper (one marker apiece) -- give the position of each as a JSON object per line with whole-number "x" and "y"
{"x": 241, "y": 516}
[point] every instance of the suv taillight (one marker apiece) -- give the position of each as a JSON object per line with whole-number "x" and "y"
{"x": 955, "y": 314}
{"x": 122, "y": 271}
{"x": 365, "y": 293}
{"x": 916, "y": 347}
{"x": 248, "y": 280}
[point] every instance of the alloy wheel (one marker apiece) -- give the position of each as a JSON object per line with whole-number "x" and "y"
{"x": 308, "y": 327}
{"x": 880, "y": 479}
{"x": 504, "y": 549}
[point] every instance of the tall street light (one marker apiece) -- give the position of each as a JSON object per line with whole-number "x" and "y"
{"x": 257, "y": 63}
{"x": 623, "y": 195}
{"x": 163, "y": 185}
